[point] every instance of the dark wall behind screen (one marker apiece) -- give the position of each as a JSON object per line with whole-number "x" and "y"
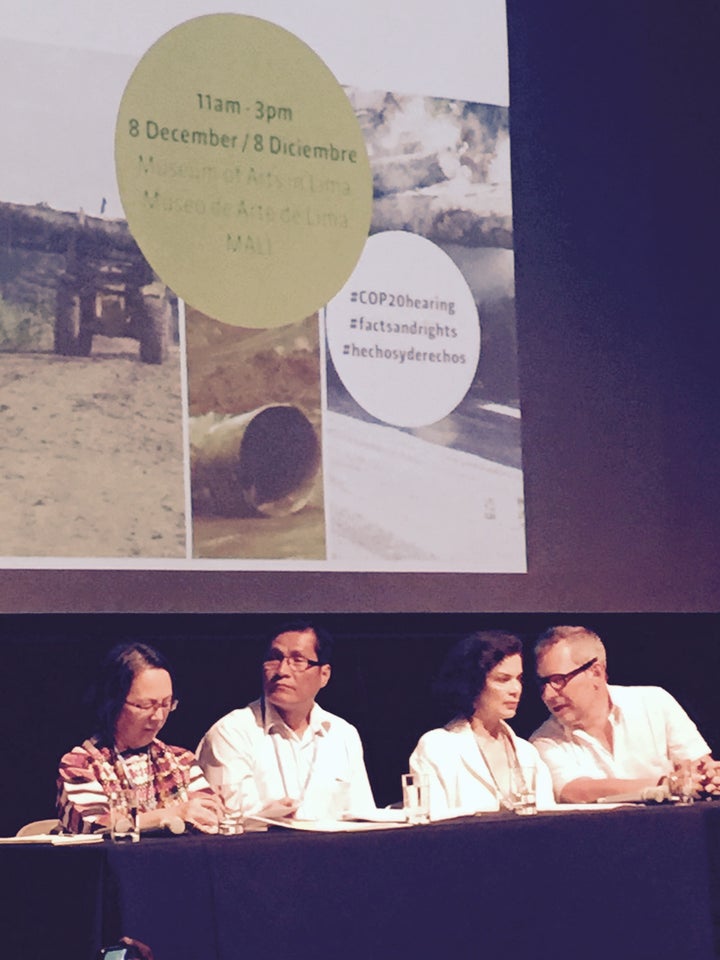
{"x": 615, "y": 162}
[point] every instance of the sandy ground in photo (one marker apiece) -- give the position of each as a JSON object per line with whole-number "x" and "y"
{"x": 91, "y": 461}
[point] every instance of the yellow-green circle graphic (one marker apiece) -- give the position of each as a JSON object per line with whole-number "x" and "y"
{"x": 243, "y": 170}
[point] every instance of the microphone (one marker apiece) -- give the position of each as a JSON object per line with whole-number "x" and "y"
{"x": 174, "y": 824}
{"x": 657, "y": 794}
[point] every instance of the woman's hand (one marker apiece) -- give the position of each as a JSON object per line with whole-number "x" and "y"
{"x": 202, "y": 810}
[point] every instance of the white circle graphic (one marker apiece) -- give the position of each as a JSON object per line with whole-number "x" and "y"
{"x": 403, "y": 332}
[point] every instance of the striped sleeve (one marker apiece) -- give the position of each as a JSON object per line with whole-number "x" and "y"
{"x": 82, "y": 804}
{"x": 195, "y": 781}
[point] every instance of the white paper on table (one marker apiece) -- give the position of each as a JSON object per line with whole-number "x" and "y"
{"x": 378, "y": 815}
{"x": 56, "y": 839}
{"x": 331, "y": 826}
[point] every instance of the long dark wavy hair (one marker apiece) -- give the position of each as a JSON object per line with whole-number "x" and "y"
{"x": 464, "y": 672}
{"x": 111, "y": 687}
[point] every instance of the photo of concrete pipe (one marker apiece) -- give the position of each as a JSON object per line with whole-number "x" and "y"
{"x": 262, "y": 463}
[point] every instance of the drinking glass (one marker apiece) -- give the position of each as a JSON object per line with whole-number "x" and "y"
{"x": 124, "y": 816}
{"x": 523, "y": 797}
{"x": 416, "y": 797}
{"x": 682, "y": 782}
{"x": 231, "y": 819}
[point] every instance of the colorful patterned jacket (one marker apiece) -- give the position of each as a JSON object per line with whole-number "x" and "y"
{"x": 90, "y": 776}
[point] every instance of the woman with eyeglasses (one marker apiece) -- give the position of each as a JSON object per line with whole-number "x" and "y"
{"x": 475, "y": 763}
{"x": 132, "y": 699}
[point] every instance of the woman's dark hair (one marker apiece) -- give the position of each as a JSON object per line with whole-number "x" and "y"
{"x": 323, "y": 640}
{"x": 465, "y": 669}
{"x": 110, "y": 690}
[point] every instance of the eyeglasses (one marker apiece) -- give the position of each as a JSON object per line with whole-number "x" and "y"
{"x": 558, "y": 681}
{"x": 150, "y": 706}
{"x": 295, "y": 661}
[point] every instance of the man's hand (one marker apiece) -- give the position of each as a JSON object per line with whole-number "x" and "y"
{"x": 707, "y": 776}
{"x": 278, "y": 809}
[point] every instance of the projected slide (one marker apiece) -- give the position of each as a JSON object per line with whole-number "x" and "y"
{"x": 257, "y": 292}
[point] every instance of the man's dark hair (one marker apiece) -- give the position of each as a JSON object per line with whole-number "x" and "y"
{"x": 464, "y": 672}
{"x": 117, "y": 673}
{"x": 324, "y": 643}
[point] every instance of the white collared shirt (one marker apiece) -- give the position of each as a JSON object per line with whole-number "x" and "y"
{"x": 651, "y": 732}
{"x": 323, "y": 768}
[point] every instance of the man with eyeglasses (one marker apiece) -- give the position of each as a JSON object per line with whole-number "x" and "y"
{"x": 604, "y": 740}
{"x": 285, "y": 754}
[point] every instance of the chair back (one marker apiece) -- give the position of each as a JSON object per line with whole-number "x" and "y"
{"x": 37, "y": 827}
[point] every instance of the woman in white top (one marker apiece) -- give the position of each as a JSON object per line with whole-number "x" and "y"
{"x": 474, "y": 761}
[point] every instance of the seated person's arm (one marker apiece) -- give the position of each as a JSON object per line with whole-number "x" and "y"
{"x": 361, "y": 796}
{"x": 277, "y": 809}
{"x": 201, "y": 809}
{"x": 589, "y": 790}
{"x": 82, "y": 804}
{"x": 428, "y": 758}
{"x": 576, "y": 778}
{"x": 706, "y": 775}
{"x": 77, "y": 817}
{"x": 706, "y": 778}
{"x": 226, "y": 756}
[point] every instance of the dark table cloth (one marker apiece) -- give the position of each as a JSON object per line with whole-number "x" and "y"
{"x": 626, "y": 883}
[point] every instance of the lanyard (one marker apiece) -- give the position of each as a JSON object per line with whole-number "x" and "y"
{"x": 279, "y": 761}
{"x": 511, "y": 761}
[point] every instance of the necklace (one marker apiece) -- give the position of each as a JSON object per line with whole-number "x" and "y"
{"x": 502, "y": 792}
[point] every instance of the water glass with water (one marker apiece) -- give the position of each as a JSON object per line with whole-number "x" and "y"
{"x": 416, "y": 797}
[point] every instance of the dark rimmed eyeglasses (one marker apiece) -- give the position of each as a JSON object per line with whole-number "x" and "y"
{"x": 558, "y": 681}
{"x": 150, "y": 706}
{"x": 295, "y": 661}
